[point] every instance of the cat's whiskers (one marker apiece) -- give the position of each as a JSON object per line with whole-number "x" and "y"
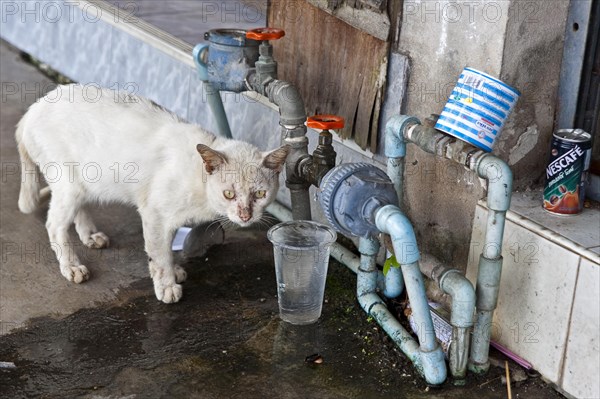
{"x": 217, "y": 221}
{"x": 227, "y": 224}
{"x": 267, "y": 220}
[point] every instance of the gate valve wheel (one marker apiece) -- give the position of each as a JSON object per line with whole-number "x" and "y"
{"x": 265, "y": 34}
{"x": 325, "y": 122}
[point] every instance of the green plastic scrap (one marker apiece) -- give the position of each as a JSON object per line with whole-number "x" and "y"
{"x": 389, "y": 263}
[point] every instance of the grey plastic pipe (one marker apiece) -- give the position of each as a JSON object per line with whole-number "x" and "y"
{"x": 499, "y": 181}
{"x": 452, "y": 283}
{"x": 499, "y": 178}
{"x": 395, "y": 151}
{"x": 460, "y": 289}
{"x": 373, "y": 305}
{"x": 390, "y": 220}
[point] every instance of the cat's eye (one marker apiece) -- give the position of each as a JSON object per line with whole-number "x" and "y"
{"x": 228, "y": 194}
{"x": 260, "y": 194}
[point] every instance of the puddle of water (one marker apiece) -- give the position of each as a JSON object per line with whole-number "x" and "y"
{"x": 224, "y": 339}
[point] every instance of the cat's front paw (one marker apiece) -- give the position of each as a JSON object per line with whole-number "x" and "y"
{"x": 98, "y": 240}
{"x": 168, "y": 293}
{"x": 77, "y": 274}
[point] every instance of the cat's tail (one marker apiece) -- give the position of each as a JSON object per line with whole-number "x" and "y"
{"x": 30, "y": 194}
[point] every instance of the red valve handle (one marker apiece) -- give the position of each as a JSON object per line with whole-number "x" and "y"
{"x": 325, "y": 122}
{"x": 265, "y": 34}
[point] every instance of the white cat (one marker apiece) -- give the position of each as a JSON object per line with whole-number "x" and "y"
{"x": 98, "y": 145}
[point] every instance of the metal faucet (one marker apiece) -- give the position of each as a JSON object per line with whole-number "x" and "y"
{"x": 313, "y": 168}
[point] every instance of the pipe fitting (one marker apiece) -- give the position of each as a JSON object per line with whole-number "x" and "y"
{"x": 367, "y": 271}
{"x": 432, "y": 356}
{"x": 296, "y": 134}
{"x": 488, "y": 283}
{"x": 455, "y": 284}
{"x": 480, "y": 343}
{"x": 500, "y": 179}
{"x": 298, "y": 152}
{"x": 395, "y": 145}
{"x": 393, "y": 283}
{"x": 435, "y": 142}
{"x": 459, "y": 354}
{"x": 368, "y": 246}
{"x": 390, "y": 220}
{"x": 287, "y": 97}
{"x": 426, "y": 138}
{"x": 434, "y": 366}
{"x": 199, "y": 54}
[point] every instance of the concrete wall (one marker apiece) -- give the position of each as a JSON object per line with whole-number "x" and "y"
{"x": 531, "y": 61}
{"x": 518, "y": 41}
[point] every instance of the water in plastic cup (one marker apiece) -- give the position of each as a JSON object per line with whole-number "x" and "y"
{"x": 301, "y": 250}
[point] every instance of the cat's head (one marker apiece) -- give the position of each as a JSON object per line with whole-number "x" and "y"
{"x": 240, "y": 180}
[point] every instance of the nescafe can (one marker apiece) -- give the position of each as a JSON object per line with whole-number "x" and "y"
{"x": 567, "y": 171}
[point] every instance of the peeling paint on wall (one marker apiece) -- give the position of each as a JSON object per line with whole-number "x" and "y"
{"x": 526, "y": 142}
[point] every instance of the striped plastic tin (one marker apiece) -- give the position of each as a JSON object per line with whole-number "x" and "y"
{"x": 477, "y": 108}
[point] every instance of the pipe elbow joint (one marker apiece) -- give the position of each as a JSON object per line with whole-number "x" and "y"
{"x": 368, "y": 300}
{"x": 500, "y": 180}
{"x": 434, "y": 366}
{"x": 393, "y": 283}
{"x": 287, "y": 97}
{"x": 395, "y": 144}
{"x": 455, "y": 284}
{"x": 389, "y": 219}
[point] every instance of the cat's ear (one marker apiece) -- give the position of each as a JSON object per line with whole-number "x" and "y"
{"x": 275, "y": 159}
{"x": 212, "y": 159}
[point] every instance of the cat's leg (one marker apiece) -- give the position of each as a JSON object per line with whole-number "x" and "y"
{"x": 88, "y": 232}
{"x": 61, "y": 214}
{"x": 157, "y": 239}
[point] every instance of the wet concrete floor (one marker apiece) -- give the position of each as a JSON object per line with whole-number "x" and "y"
{"x": 224, "y": 339}
{"x": 111, "y": 338}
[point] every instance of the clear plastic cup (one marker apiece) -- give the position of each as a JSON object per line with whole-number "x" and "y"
{"x": 301, "y": 250}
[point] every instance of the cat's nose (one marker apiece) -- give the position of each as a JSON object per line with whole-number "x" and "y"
{"x": 245, "y": 214}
